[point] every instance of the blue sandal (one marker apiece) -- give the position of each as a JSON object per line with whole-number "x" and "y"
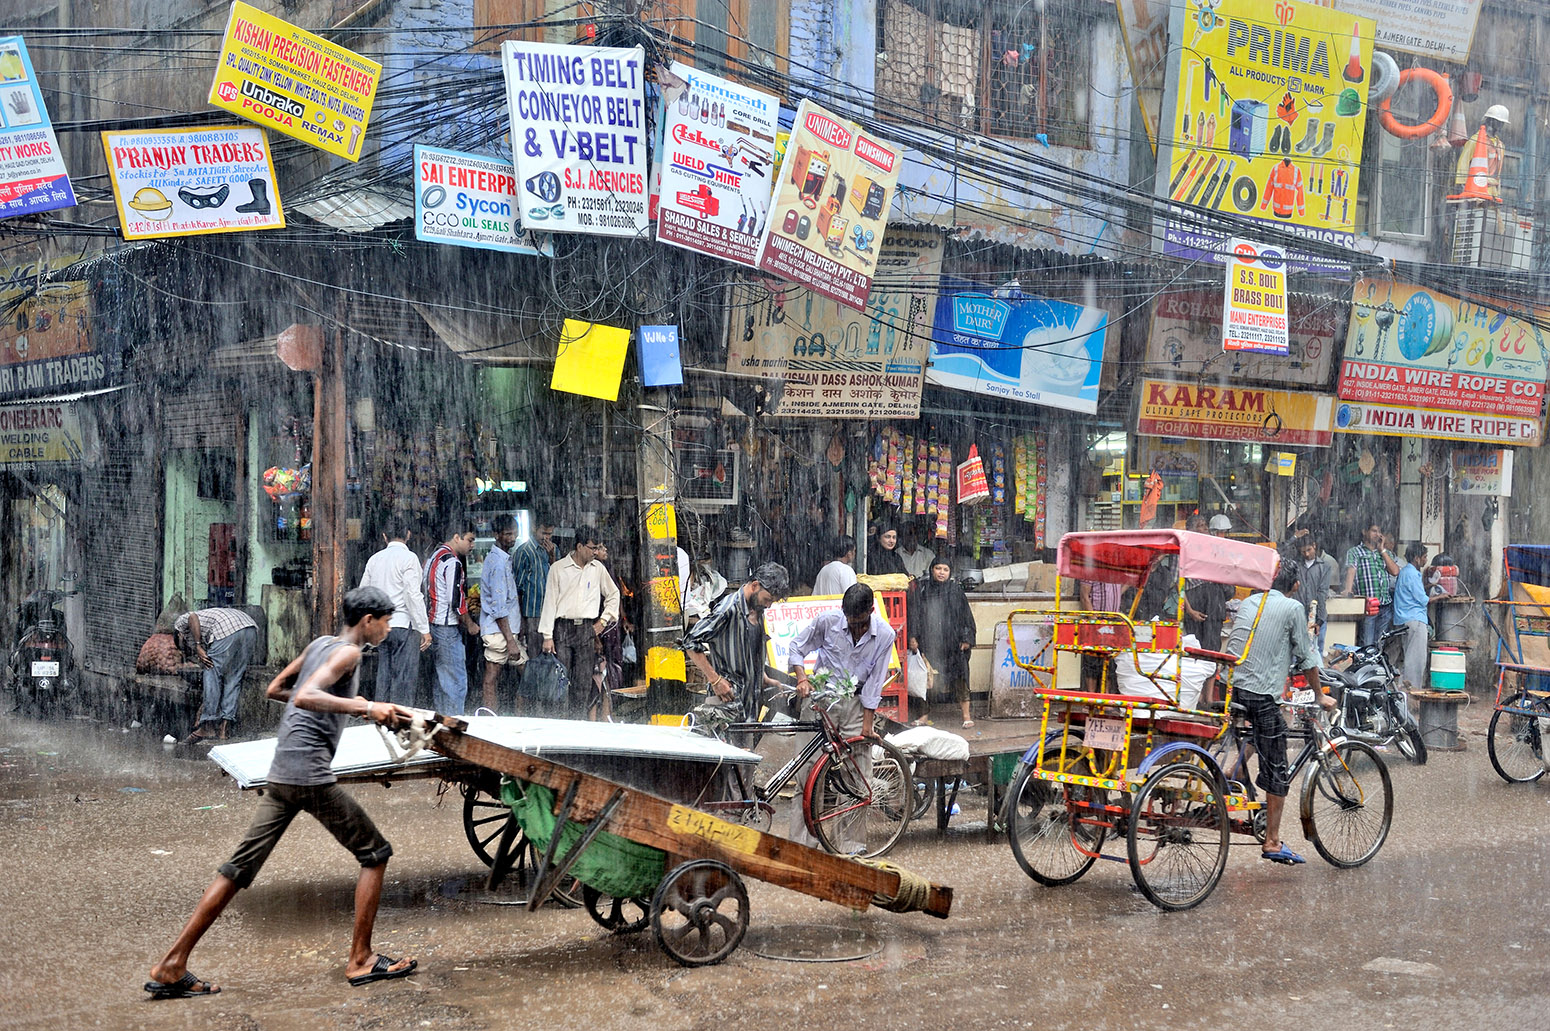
{"x": 1284, "y": 856}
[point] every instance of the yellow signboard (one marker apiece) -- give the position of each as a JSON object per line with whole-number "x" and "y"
{"x": 294, "y": 82}
{"x": 1191, "y": 411}
{"x": 33, "y": 433}
{"x": 590, "y": 359}
{"x": 1267, "y": 106}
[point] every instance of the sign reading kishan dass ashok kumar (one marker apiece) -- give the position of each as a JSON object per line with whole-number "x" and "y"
{"x": 1194, "y": 412}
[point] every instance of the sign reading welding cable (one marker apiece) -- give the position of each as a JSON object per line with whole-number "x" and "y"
{"x": 1254, "y": 308}
{"x": 578, "y": 133}
{"x": 294, "y": 82}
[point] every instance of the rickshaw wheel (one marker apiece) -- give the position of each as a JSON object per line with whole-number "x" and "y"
{"x": 1178, "y": 836}
{"x": 485, "y": 817}
{"x": 621, "y": 916}
{"x": 1515, "y": 742}
{"x": 1050, "y": 837}
{"x": 699, "y": 913}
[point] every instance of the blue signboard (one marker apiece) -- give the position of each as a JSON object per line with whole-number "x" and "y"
{"x": 660, "y": 365}
{"x": 1028, "y": 349}
{"x": 32, "y": 171}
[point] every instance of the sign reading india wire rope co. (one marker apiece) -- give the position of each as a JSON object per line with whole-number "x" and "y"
{"x": 1254, "y": 304}
{"x": 578, "y": 133}
{"x": 1263, "y": 119}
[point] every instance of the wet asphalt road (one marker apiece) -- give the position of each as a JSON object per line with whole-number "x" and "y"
{"x": 106, "y": 843}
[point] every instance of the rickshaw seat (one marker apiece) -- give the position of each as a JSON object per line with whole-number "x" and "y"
{"x": 1182, "y": 727}
{"x": 1227, "y": 658}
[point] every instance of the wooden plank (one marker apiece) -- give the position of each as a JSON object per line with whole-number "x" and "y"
{"x": 687, "y": 833}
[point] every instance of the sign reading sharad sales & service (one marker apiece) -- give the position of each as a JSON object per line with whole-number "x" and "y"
{"x": 578, "y": 133}
{"x": 293, "y": 82}
{"x": 1254, "y": 311}
{"x": 1194, "y": 412}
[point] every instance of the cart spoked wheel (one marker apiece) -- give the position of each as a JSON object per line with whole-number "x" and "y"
{"x": 621, "y": 916}
{"x": 1178, "y": 835}
{"x": 485, "y": 818}
{"x": 700, "y": 913}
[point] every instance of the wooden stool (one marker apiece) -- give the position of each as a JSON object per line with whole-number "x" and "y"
{"x": 1438, "y": 719}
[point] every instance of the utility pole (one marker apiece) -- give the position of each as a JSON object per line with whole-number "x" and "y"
{"x": 662, "y": 621}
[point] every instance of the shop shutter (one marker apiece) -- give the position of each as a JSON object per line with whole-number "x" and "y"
{"x": 123, "y": 548}
{"x": 200, "y": 419}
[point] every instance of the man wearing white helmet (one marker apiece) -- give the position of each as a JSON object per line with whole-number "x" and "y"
{"x": 1479, "y": 175}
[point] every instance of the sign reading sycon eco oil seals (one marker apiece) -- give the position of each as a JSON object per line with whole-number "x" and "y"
{"x": 293, "y": 82}
{"x": 1254, "y": 306}
{"x": 469, "y": 201}
{"x": 187, "y": 182}
{"x": 578, "y": 133}
{"x": 831, "y": 206}
{"x": 32, "y": 172}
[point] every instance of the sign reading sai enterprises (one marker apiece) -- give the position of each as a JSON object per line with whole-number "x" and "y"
{"x": 294, "y": 82}
{"x": 578, "y": 133}
{"x": 32, "y": 172}
{"x": 1193, "y": 412}
{"x": 1254, "y": 303}
{"x": 188, "y": 182}
{"x": 468, "y": 200}
{"x": 1264, "y": 118}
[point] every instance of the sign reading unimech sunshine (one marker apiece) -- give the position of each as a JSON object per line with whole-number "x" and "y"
{"x": 294, "y": 82}
{"x": 832, "y": 198}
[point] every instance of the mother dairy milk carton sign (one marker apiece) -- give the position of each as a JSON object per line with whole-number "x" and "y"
{"x": 1029, "y": 349}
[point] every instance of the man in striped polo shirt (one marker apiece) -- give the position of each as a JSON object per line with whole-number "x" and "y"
{"x": 447, "y": 587}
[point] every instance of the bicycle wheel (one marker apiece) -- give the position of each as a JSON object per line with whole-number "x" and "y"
{"x": 1347, "y": 804}
{"x": 858, "y": 805}
{"x": 1178, "y": 836}
{"x": 1515, "y": 742}
{"x": 1054, "y": 834}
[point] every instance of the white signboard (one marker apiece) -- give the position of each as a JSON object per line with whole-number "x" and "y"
{"x": 1254, "y": 304}
{"x": 785, "y": 619}
{"x": 578, "y": 132}
{"x": 1433, "y": 28}
{"x": 32, "y": 172}
{"x": 718, "y": 167}
{"x": 468, "y": 200}
{"x": 188, "y": 182}
{"x": 1394, "y": 421}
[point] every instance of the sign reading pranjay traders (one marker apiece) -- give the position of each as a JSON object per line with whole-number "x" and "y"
{"x": 578, "y": 133}
{"x": 1193, "y": 412}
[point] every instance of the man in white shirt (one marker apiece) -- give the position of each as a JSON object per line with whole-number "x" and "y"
{"x": 580, "y": 602}
{"x": 395, "y": 571}
{"x": 839, "y": 573}
{"x": 917, "y": 557}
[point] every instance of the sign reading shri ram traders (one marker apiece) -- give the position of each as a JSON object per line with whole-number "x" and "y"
{"x": 186, "y": 182}
{"x": 32, "y": 172}
{"x": 1263, "y": 119}
{"x": 289, "y": 80}
{"x": 578, "y": 133}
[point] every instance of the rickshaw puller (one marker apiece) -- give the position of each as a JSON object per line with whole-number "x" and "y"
{"x": 1280, "y": 646}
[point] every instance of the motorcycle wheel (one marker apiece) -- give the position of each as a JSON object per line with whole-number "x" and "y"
{"x": 1410, "y": 743}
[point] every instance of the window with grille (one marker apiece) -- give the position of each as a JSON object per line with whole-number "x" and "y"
{"x": 1010, "y": 68}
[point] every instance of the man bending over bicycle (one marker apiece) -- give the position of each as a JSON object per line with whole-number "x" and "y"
{"x": 1280, "y": 647}
{"x": 851, "y": 645}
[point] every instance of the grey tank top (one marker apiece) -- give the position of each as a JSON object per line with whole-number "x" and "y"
{"x": 308, "y": 740}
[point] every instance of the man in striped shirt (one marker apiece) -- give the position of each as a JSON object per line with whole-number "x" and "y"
{"x": 530, "y": 568}
{"x": 446, "y": 584}
{"x": 223, "y": 640}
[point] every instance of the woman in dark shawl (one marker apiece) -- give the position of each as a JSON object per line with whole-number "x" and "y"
{"x": 942, "y": 628}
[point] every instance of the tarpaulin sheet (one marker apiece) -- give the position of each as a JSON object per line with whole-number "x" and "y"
{"x": 1125, "y": 556}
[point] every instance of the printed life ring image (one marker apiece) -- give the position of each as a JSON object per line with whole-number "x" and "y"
{"x": 1385, "y": 77}
{"x": 1439, "y": 84}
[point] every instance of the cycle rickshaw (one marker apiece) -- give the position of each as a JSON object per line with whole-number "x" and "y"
{"x": 1143, "y": 764}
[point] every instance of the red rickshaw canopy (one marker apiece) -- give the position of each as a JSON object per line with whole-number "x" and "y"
{"x": 1125, "y": 557}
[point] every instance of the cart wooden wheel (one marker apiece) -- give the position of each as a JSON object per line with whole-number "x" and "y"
{"x": 485, "y": 817}
{"x": 700, "y": 913}
{"x": 621, "y": 916}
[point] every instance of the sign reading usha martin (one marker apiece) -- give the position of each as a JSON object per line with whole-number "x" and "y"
{"x": 831, "y": 206}
{"x": 1193, "y": 412}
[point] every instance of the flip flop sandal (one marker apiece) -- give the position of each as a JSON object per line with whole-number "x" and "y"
{"x": 1284, "y": 856}
{"x": 380, "y": 971}
{"x": 186, "y": 987}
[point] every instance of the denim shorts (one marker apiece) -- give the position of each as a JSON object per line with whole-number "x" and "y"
{"x": 335, "y": 808}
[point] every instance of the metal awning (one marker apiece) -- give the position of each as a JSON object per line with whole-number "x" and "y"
{"x": 363, "y": 754}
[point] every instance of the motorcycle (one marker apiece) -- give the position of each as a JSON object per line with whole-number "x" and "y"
{"x": 41, "y": 666}
{"x": 1372, "y": 706}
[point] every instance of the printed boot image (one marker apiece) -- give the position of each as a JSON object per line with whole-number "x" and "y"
{"x": 1310, "y": 137}
{"x": 259, "y": 205}
{"x": 1327, "y": 142}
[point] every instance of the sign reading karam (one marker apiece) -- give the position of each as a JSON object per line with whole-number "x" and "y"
{"x": 296, "y": 83}
{"x": 1411, "y": 347}
{"x": 1281, "y": 417}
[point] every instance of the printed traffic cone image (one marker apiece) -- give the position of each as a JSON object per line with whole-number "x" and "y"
{"x": 1354, "y": 72}
{"x": 1480, "y": 166}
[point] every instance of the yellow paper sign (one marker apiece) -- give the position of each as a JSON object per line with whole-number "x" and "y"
{"x": 590, "y": 360}
{"x": 732, "y": 836}
{"x": 294, "y": 82}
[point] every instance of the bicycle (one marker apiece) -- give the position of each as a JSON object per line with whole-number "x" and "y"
{"x": 852, "y": 802}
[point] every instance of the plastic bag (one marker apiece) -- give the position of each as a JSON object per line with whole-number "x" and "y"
{"x": 545, "y": 681}
{"x": 918, "y": 674}
{"x": 971, "y": 479}
{"x": 627, "y": 650}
